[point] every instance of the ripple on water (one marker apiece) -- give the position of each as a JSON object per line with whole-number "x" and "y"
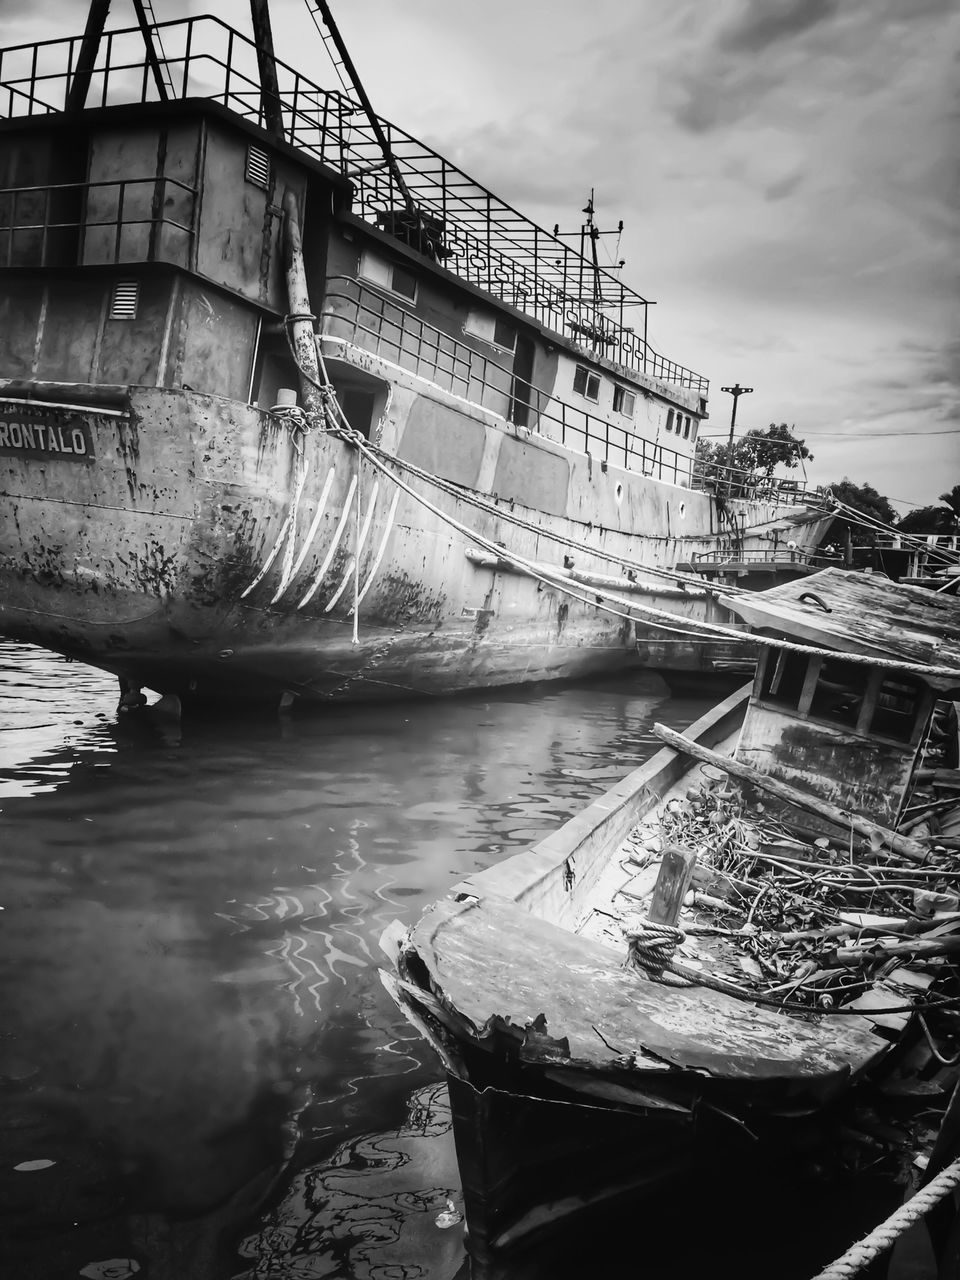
{"x": 192, "y": 919}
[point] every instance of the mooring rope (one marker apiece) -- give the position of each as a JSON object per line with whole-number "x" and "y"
{"x": 884, "y": 1236}
{"x": 606, "y": 601}
{"x": 651, "y": 947}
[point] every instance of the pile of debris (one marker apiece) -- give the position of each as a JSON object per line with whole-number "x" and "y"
{"x": 803, "y": 918}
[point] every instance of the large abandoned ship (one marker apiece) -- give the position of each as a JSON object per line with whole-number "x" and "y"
{"x": 291, "y": 407}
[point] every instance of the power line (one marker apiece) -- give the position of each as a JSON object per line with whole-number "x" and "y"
{"x": 849, "y": 435}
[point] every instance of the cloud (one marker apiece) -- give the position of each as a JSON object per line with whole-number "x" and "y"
{"x": 764, "y": 22}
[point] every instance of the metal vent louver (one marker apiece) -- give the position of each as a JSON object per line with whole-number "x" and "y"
{"x": 123, "y": 304}
{"x": 258, "y": 167}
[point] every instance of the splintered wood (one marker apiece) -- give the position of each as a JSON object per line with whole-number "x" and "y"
{"x": 776, "y": 914}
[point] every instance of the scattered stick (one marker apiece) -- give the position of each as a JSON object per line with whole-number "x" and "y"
{"x": 823, "y": 808}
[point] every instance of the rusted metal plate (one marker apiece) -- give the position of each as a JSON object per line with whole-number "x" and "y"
{"x": 489, "y": 959}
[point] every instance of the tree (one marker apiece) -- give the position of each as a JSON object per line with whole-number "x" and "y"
{"x": 865, "y": 499}
{"x": 927, "y": 520}
{"x": 752, "y": 459}
{"x": 941, "y": 520}
{"x": 952, "y": 499}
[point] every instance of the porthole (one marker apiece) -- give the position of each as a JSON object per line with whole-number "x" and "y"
{"x": 618, "y": 493}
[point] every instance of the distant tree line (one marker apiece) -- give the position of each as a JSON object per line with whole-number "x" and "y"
{"x": 737, "y": 470}
{"x": 943, "y": 519}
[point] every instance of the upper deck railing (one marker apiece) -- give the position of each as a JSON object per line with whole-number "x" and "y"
{"x": 81, "y": 223}
{"x": 363, "y": 317}
{"x": 734, "y": 482}
{"x": 479, "y": 237}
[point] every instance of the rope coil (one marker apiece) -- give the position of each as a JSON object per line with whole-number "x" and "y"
{"x": 651, "y": 946}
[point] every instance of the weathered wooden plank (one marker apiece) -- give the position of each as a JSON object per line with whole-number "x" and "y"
{"x": 863, "y": 613}
{"x": 495, "y": 964}
{"x": 901, "y": 844}
{"x": 673, "y": 881}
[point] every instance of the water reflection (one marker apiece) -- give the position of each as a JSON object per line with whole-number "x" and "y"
{"x": 191, "y": 916}
{"x": 384, "y": 1205}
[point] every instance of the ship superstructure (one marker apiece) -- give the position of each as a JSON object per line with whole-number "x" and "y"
{"x": 292, "y": 407}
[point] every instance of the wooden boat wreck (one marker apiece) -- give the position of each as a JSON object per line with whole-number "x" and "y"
{"x": 813, "y": 924}
{"x": 293, "y": 408}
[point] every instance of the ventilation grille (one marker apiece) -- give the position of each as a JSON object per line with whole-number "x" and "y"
{"x": 258, "y": 167}
{"x": 123, "y": 304}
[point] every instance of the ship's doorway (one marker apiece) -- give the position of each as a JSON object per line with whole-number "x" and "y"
{"x": 521, "y": 392}
{"x": 361, "y": 397}
{"x": 357, "y": 404}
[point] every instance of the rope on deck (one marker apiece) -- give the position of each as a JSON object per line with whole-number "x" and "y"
{"x": 886, "y": 1234}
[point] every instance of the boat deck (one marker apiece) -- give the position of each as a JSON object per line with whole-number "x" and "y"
{"x": 570, "y": 1002}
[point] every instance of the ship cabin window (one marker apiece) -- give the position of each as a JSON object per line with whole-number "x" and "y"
{"x": 861, "y": 698}
{"x": 783, "y": 676}
{"x": 257, "y": 170}
{"x": 669, "y": 419}
{"x": 124, "y": 300}
{"x": 586, "y": 384}
{"x": 839, "y": 693}
{"x": 504, "y": 336}
{"x": 686, "y": 428}
{"x": 624, "y": 401}
{"x": 491, "y": 329}
{"x": 899, "y": 703}
{"x": 389, "y": 275}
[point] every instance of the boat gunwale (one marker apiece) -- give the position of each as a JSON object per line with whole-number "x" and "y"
{"x": 607, "y": 819}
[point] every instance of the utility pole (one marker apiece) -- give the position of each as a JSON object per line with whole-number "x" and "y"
{"x": 736, "y": 391}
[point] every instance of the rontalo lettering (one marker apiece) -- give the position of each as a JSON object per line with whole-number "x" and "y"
{"x": 40, "y": 437}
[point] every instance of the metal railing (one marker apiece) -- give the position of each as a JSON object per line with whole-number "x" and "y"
{"x": 365, "y": 318}
{"x": 763, "y": 556}
{"x": 464, "y": 227}
{"x": 36, "y": 231}
{"x": 734, "y": 482}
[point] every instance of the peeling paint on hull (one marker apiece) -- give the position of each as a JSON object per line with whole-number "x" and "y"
{"x": 202, "y": 554}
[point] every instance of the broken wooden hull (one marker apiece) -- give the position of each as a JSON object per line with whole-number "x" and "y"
{"x": 201, "y": 547}
{"x": 568, "y": 1070}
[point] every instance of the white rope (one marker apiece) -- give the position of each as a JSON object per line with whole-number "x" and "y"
{"x": 876, "y": 525}
{"x": 607, "y": 601}
{"x": 358, "y": 544}
{"x": 882, "y": 1237}
{"x": 510, "y": 517}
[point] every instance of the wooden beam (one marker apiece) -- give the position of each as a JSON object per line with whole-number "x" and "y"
{"x": 673, "y": 881}
{"x": 814, "y": 804}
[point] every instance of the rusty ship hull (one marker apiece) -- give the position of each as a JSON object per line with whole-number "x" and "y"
{"x": 198, "y": 547}
{"x": 271, "y": 429}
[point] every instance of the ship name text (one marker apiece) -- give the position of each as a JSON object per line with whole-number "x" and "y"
{"x": 68, "y": 441}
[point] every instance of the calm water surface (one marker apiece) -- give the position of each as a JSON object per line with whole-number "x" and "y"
{"x": 195, "y": 1042}
{"x": 190, "y": 988}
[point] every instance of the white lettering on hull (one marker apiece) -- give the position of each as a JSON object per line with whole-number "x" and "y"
{"x": 21, "y": 437}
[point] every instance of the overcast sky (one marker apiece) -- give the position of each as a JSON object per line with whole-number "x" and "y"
{"x": 787, "y": 173}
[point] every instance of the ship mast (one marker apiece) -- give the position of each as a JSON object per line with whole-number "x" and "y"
{"x": 90, "y": 46}
{"x": 590, "y": 231}
{"x": 343, "y": 63}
